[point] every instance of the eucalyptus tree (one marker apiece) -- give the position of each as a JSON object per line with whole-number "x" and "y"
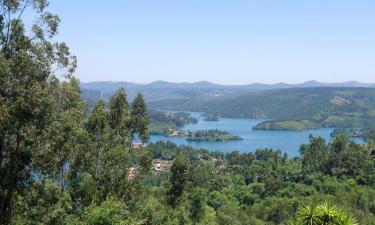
{"x": 64, "y": 134}
{"x": 30, "y": 61}
{"x": 140, "y": 118}
{"x": 178, "y": 180}
{"x": 119, "y": 117}
{"x": 97, "y": 127}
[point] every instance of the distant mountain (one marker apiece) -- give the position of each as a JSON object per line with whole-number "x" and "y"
{"x": 162, "y": 90}
{"x": 311, "y": 83}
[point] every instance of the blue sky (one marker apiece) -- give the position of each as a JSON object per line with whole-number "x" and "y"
{"x": 222, "y": 41}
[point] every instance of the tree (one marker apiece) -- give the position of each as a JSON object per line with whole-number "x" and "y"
{"x": 197, "y": 205}
{"x": 97, "y": 123}
{"x": 113, "y": 172}
{"x": 119, "y": 117}
{"x": 346, "y": 157}
{"x": 178, "y": 180}
{"x": 29, "y": 64}
{"x": 97, "y": 126}
{"x": 314, "y": 155}
{"x": 44, "y": 203}
{"x": 110, "y": 212}
{"x": 140, "y": 119}
{"x": 153, "y": 212}
{"x": 63, "y": 133}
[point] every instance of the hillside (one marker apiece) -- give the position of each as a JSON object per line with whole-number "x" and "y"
{"x": 162, "y": 90}
{"x": 349, "y": 104}
{"x": 325, "y": 106}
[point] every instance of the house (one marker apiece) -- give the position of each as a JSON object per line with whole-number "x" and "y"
{"x": 137, "y": 145}
{"x": 160, "y": 165}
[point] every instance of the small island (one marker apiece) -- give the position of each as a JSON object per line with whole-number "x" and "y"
{"x": 212, "y": 135}
{"x": 169, "y": 123}
{"x": 285, "y": 125}
{"x": 209, "y": 116}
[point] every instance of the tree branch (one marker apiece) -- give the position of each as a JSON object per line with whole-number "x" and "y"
{"x": 18, "y": 18}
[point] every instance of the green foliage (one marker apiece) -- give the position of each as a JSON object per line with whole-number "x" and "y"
{"x": 314, "y": 155}
{"x": 290, "y": 125}
{"x": 110, "y": 212}
{"x": 153, "y": 212}
{"x": 178, "y": 180}
{"x": 97, "y": 123}
{"x": 167, "y": 123}
{"x": 159, "y": 128}
{"x": 119, "y": 117}
{"x": 169, "y": 151}
{"x": 175, "y": 119}
{"x": 291, "y": 109}
{"x": 29, "y": 64}
{"x": 140, "y": 118}
{"x": 212, "y": 135}
{"x": 346, "y": 157}
{"x": 324, "y": 213}
{"x": 42, "y": 203}
{"x": 63, "y": 164}
{"x": 197, "y": 205}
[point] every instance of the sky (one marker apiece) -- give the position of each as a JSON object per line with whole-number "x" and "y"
{"x": 222, "y": 41}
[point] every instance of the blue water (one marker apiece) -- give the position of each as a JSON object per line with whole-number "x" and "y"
{"x": 286, "y": 141}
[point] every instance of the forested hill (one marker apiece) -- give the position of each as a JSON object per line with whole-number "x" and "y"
{"x": 325, "y": 105}
{"x": 162, "y": 90}
{"x": 322, "y": 106}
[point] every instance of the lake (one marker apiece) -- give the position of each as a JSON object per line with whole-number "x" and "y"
{"x": 286, "y": 141}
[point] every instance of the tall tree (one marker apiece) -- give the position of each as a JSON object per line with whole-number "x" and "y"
{"x": 97, "y": 123}
{"x": 119, "y": 117}
{"x": 178, "y": 180}
{"x": 29, "y": 63}
{"x": 140, "y": 119}
{"x": 97, "y": 127}
{"x": 63, "y": 134}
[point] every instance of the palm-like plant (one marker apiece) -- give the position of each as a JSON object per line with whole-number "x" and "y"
{"x": 324, "y": 214}
{"x": 308, "y": 215}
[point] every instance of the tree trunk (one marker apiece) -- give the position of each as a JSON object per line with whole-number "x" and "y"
{"x": 62, "y": 177}
{"x": 5, "y": 208}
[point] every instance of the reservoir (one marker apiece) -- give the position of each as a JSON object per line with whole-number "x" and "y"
{"x": 287, "y": 141}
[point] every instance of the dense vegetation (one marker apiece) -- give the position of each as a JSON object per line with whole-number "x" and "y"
{"x": 212, "y": 135}
{"x": 162, "y": 123}
{"x": 350, "y": 132}
{"x": 177, "y": 119}
{"x": 291, "y": 125}
{"x": 267, "y": 187}
{"x": 62, "y": 164}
